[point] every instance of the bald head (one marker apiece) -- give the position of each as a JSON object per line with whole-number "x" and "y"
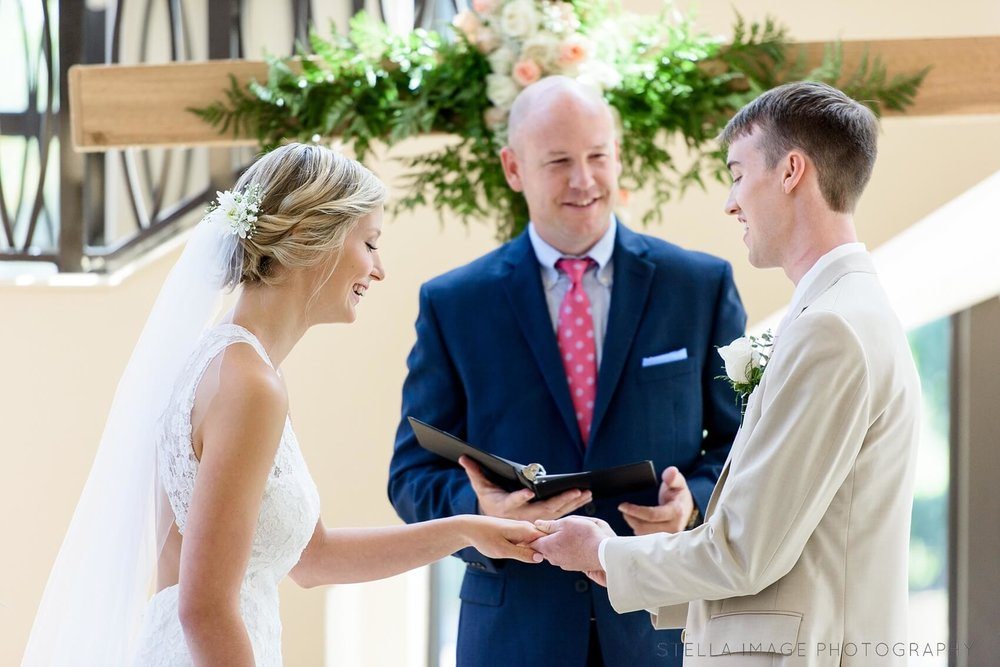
{"x": 551, "y": 98}
{"x": 562, "y": 155}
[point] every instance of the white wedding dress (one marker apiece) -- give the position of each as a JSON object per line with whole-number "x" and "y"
{"x": 288, "y": 516}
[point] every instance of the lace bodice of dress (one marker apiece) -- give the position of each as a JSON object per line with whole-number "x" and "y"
{"x": 288, "y": 515}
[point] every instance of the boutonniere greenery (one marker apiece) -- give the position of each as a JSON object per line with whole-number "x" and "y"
{"x": 746, "y": 359}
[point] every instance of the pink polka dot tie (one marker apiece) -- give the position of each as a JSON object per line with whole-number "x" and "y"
{"x": 576, "y": 343}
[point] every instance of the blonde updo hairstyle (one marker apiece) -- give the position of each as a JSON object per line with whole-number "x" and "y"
{"x": 312, "y": 198}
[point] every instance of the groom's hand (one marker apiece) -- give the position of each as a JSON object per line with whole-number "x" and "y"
{"x": 495, "y": 501}
{"x": 572, "y": 544}
{"x": 673, "y": 513}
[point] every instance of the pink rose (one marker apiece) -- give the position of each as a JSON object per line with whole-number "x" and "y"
{"x": 526, "y": 72}
{"x": 484, "y": 6}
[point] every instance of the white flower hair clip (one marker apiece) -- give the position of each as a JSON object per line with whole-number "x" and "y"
{"x": 238, "y": 209}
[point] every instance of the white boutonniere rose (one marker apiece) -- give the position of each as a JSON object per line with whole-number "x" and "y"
{"x": 745, "y": 359}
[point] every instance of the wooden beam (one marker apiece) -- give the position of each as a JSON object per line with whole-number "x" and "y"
{"x": 964, "y": 77}
{"x": 114, "y": 106}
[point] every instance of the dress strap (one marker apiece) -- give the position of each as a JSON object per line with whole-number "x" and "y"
{"x": 233, "y": 333}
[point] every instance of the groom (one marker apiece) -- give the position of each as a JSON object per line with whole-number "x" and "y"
{"x": 802, "y": 558}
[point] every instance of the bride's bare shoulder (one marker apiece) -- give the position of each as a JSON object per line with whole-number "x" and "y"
{"x": 239, "y": 397}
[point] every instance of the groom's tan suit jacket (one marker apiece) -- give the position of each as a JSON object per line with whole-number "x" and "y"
{"x": 802, "y": 558}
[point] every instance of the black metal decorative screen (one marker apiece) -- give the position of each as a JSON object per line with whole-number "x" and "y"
{"x": 29, "y": 130}
{"x": 95, "y": 212}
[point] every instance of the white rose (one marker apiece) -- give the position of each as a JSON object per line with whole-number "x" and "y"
{"x": 541, "y": 48}
{"x": 519, "y": 19}
{"x": 501, "y": 60}
{"x": 501, "y": 90}
{"x": 600, "y": 75}
{"x": 740, "y": 356}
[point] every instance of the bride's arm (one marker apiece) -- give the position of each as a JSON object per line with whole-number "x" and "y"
{"x": 352, "y": 555}
{"x": 240, "y": 434}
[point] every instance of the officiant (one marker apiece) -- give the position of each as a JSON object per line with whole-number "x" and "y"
{"x": 579, "y": 345}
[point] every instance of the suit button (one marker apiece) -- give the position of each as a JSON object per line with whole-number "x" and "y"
{"x": 582, "y": 586}
{"x": 590, "y": 509}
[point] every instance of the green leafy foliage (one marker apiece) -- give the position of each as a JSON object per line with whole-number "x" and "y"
{"x": 375, "y": 87}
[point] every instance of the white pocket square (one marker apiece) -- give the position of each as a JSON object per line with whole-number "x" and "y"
{"x": 665, "y": 358}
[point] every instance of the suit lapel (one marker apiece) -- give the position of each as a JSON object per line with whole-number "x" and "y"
{"x": 523, "y": 285}
{"x": 828, "y": 277}
{"x": 633, "y": 277}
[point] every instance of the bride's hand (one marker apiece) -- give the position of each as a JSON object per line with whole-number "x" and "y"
{"x": 502, "y": 538}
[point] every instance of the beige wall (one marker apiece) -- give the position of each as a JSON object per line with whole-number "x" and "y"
{"x": 65, "y": 347}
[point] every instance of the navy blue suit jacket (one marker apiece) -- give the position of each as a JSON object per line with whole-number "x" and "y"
{"x": 486, "y": 367}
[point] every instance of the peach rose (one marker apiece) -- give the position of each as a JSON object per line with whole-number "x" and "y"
{"x": 468, "y": 24}
{"x": 485, "y": 6}
{"x": 487, "y": 40}
{"x": 495, "y": 118}
{"x": 526, "y": 72}
{"x": 573, "y": 52}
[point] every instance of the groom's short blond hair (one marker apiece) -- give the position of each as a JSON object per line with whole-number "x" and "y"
{"x": 839, "y": 134}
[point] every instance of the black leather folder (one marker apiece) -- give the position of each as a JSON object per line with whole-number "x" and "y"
{"x": 513, "y": 476}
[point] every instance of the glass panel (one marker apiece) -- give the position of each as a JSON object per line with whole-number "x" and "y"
{"x": 19, "y": 173}
{"x": 931, "y": 347}
{"x": 446, "y": 581}
{"x": 13, "y": 51}
{"x": 28, "y": 125}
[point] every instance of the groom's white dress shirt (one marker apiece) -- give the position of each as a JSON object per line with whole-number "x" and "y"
{"x": 802, "y": 558}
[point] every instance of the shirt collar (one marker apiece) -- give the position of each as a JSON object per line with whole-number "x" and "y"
{"x": 601, "y": 253}
{"x": 810, "y": 276}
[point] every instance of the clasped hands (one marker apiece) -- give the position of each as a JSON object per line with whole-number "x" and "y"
{"x": 572, "y": 542}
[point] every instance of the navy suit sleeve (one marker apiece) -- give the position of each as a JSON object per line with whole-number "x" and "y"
{"x": 422, "y": 485}
{"x": 721, "y": 411}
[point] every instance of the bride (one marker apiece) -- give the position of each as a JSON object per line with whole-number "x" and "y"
{"x": 199, "y": 474}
